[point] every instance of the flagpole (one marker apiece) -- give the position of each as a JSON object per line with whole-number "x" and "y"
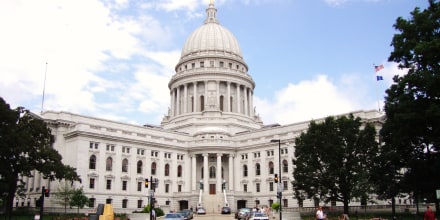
{"x": 44, "y": 89}
{"x": 377, "y": 69}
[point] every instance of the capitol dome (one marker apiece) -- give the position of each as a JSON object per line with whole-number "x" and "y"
{"x": 211, "y": 39}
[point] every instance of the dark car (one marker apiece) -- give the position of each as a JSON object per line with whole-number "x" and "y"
{"x": 187, "y": 214}
{"x": 226, "y": 210}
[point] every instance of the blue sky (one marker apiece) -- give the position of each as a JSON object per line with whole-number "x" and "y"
{"x": 113, "y": 59}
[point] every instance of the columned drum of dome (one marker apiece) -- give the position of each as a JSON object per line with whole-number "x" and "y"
{"x": 211, "y": 84}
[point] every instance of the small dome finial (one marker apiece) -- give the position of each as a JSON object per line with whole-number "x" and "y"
{"x": 211, "y": 13}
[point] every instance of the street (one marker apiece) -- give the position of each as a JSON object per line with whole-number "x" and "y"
{"x": 214, "y": 217}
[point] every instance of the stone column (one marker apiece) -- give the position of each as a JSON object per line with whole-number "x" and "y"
{"x": 231, "y": 172}
{"x": 205, "y": 174}
{"x": 185, "y": 98}
{"x": 218, "y": 94}
{"x": 238, "y": 99}
{"x": 178, "y": 101}
{"x": 246, "y": 108}
{"x": 219, "y": 173}
{"x": 228, "y": 99}
{"x": 193, "y": 172}
{"x": 195, "y": 97}
{"x": 251, "y": 100}
{"x": 172, "y": 101}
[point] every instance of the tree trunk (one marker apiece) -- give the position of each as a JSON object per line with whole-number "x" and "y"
{"x": 11, "y": 193}
{"x": 346, "y": 206}
{"x": 393, "y": 207}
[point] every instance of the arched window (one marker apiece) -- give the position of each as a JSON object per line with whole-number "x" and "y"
{"x": 139, "y": 167}
{"x": 125, "y": 165}
{"x": 245, "y": 170}
{"x": 153, "y": 168}
{"x": 92, "y": 162}
{"x": 109, "y": 164}
{"x": 257, "y": 169}
{"x": 285, "y": 166}
{"x": 167, "y": 170}
{"x": 179, "y": 171}
{"x": 212, "y": 172}
{"x": 271, "y": 167}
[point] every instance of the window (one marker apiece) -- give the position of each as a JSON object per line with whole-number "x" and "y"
{"x": 179, "y": 188}
{"x": 271, "y": 167}
{"x": 245, "y": 171}
{"x": 230, "y": 65}
{"x": 167, "y": 170}
{"x": 139, "y": 167}
{"x": 212, "y": 172}
{"x": 257, "y": 169}
{"x": 124, "y": 203}
{"x": 140, "y": 203}
{"x": 124, "y": 185}
{"x": 271, "y": 186}
{"x": 93, "y": 145}
{"x": 285, "y": 185}
{"x": 167, "y": 188}
{"x": 108, "y": 201}
{"x": 285, "y": 203}
{"x": 179, "y": 171}
{"x": 221, "y": 64}
{"x": 109, "y": 164}
{"x": 300, "y": 203}
{"x": 92, "y": 202}
{"x": 92, "y": 162}
{"x": 202, "y": 64}
{"x": 153, "y": 168}
{"x": 211, "y": 63}
{"x": 91, "y": 183}
{"x": 154, "y": 153}
{"x": 108, "y": 184}
{"x": 257, "y": 187}
{"x": 285, "y": 166}
{"x": 126, "y": 150}
{"x": 202, "y": 173}
{"x": 139, "y": 186}
{"x": 125, "y": 165}
{"x": 110, "y": 147}
{"x": 193, "y": 65}
{"x": 245, "y": 187}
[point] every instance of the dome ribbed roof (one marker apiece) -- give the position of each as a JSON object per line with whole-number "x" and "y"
{"x": 212, "y": 38}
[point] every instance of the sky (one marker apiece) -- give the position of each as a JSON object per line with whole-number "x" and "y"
{"x": 113, "y": 59}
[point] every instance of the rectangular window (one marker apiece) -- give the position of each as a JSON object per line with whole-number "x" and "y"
{"x": 257, "y": 187}
{"x": 124, "y": 185}
{"x": 230, "y": 65}
{"x": 108, "y": 184}
{"x": 221, "y": 64}
{"x": 93, "y": 145}
{"x": 124, "y": 203}
{"x": 91, "y": 183}
{"x": 285, "y": 203}
{"x": 139, "y": 186}
{"x": 167, "y": 188}
{"x": 108, "y": 201}
{"x": 285, "y": 185}
{"x": 202, "y": 64}
{"x": 193, "y": 65}
{"x": 211, "y": 63}
{"x": 179, "y": 188}
{"x": 140, "y": 205}
{"x": 245, "y": 187}
{"x": 92, "y": 202}
{"x": 271, "y": 186}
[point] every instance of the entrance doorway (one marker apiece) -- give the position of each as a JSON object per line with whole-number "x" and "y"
{"x": 183, "y": 204}
{"x": 212, "y": 189}
{"x": 241, "y": 204}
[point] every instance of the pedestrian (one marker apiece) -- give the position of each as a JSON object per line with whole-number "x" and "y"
{"x": 153, "y": 214}
{"x": 429, "y": 214}
{"x": 319, "y": 213}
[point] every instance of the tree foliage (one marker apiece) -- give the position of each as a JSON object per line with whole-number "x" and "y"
{"x": 26, "y": 145}
{"x": 411, "y": 132}
{"x": 333, "y": 160}
{"x": 78, "y": 199}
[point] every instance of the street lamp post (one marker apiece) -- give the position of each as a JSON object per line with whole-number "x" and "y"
{"x": 279, "y": 170}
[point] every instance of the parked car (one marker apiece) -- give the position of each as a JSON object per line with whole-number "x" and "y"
{"x": 226, "y": 210}
{"x": 187, "y": 214}
{"x": 242, "y": 213}
{"x": 258, "y": 216}
{"x": 173, "y": 216}
{"x": 201, "y": 211}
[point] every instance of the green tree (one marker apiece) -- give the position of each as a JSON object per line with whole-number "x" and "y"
{"x": 333, "y": 160}
{"x": 411, "y": 132}
{"x": 78, "y": 199}
{"x": 63, "y": 195}
{"x": 26, "y": 145}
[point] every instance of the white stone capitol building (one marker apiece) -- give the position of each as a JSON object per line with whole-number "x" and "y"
{"x": 211, "y": 136}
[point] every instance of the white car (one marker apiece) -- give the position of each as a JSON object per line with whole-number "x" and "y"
{"x": 258, "y": 216}
{"x": 201, "y": 211}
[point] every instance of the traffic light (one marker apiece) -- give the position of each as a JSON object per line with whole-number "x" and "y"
{"x": 146, "y": 183}
{"x": 275, "y": 179}
{"x": 46, "y": 192}
{"x": 279, "y": 195}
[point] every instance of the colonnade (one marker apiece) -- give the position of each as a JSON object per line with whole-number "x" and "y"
{"x": 214, "y": 95}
